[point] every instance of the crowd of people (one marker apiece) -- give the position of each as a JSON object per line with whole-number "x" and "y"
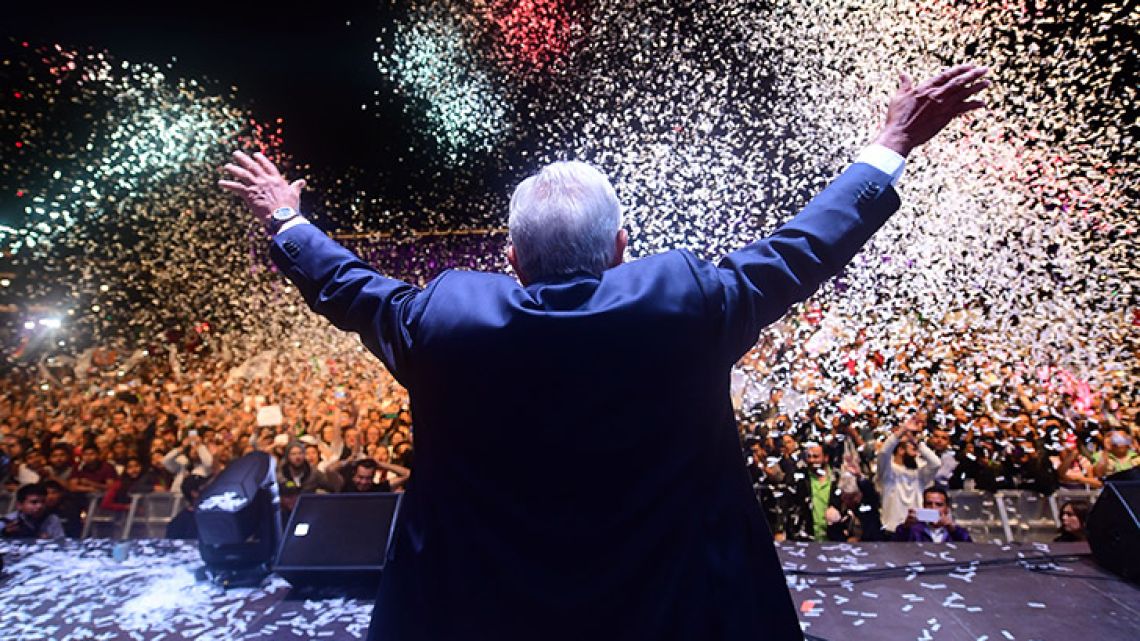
{"x": 834, "y": 453}
{"x": 872, "y": 445}
{"x": 337, "y": 425}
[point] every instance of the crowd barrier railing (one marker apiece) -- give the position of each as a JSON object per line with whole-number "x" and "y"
{"x": 1005, "y": 516}
{"x": 152, "y": 512}
{"x": 1013, "y": 516}
{"x": 1026, "y": 516}
{"x": 978, "y": 511}
{"x": 97, "y": 522}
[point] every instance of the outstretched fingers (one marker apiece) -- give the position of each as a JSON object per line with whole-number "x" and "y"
{"x": 266, "y": 164}
{"x": 905, "y": 81}
{"x": 240, "y": 173}
{"x": 236, "y": 187}
{"x": 959, "y": 99}
{"x": 248, "y": 163}
{"x": 946, "y": 76}
{"x": 961, "y": 95}
{"x": 966, "y": 84}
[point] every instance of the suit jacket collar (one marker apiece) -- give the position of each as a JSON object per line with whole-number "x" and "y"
{"x": 566, "y": 291}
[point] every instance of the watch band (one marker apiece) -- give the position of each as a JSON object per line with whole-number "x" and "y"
{"x": 280, "y": 216}
{"x": 292, "y": 222}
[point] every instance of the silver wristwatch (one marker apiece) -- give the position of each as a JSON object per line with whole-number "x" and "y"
{"x": 282, "y": 215}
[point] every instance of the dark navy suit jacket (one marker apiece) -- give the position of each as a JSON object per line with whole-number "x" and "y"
{"x": 578, "y": 471}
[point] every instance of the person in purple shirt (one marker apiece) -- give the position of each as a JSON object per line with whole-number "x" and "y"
{"x": 940, "y": 531}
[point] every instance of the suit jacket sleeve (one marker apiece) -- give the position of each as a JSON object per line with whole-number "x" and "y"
{"x": 763, "y": 279}
{"x": 338, "y": 285}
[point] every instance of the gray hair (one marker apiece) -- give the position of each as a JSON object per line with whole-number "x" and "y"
{"x": 564, "y": 219}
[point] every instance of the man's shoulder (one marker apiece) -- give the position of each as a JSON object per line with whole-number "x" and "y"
{"x": 466, "y": 277}
{"x": 669, "y": 270}
{"x": 673, "y": 258}
{"x": 670, "y": 259}
{"x": 673, "y": 268}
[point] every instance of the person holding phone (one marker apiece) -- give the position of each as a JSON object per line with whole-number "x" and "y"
{"x": 905, "y": 466}
{"x": 193, "y": 457}
{"x": 933, "y": 523}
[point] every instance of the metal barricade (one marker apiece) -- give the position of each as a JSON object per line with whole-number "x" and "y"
{"x": 151, "y": 513}
{"x": 979, "y": 513}
{"x": 100, "y": 523}
{"x": 1027, "y": 516}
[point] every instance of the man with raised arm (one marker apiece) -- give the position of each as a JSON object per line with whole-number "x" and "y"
{"x": 619, "y": 367}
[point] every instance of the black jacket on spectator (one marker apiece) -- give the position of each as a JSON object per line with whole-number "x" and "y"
{"x": 1034, "y": 474}
{"x": 762, "y": 485}
{"x": 799, "y": 523}
{"x": 308, "y": 479}
{"x": 382, "y": 486}
{"x": 862, "y": 520}
{"x": 70, "y": 515}
{"x": 973, "y": 467}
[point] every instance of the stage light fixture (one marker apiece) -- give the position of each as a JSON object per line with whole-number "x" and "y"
{"x": 239, "y": 524}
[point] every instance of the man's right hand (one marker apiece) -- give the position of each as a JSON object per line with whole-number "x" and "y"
{"x": 917, "y": 114}
{"x": 911, "y": 518}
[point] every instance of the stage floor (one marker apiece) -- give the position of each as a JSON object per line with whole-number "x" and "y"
{"x": 972, "y": 592}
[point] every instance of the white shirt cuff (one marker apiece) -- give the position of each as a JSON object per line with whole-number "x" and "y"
{"x": 293, "y": 222}
{"x": 883, "y": 159}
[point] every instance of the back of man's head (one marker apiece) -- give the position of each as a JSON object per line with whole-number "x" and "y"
{"x": 564, "y": 219}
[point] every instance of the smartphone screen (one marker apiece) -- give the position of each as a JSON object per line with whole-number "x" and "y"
{"x": 927, "y": 515}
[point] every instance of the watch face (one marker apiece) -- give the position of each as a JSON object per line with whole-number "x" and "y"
{"x": 284, "y": 213}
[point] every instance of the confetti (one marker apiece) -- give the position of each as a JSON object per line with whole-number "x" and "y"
{"x": 1015, "y": 251}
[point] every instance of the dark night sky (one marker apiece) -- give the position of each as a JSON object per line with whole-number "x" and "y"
{"x": 307, "y": 62}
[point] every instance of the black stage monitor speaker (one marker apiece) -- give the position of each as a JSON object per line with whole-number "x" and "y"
{"x": 1114, "y": 529}
{"x": 338, "y": 540}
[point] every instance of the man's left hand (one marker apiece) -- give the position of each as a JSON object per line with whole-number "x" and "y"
{"x": 917, "y": 114}
{"x": 261, "y": 186}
